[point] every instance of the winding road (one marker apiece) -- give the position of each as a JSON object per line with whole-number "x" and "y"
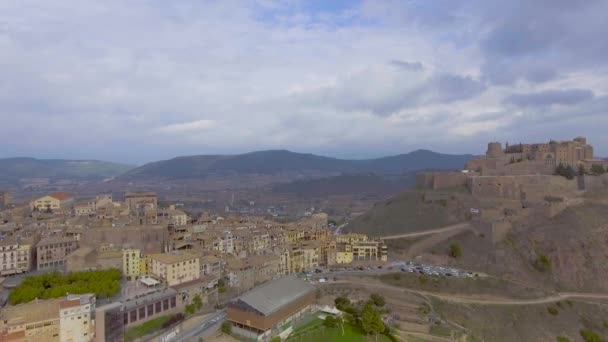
{"x": 483, "y": 299}
{"x": 453, "y": 227}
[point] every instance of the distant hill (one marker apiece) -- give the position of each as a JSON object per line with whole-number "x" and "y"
{"x": 13, "y": 169}
{"x": 274, "y": 162}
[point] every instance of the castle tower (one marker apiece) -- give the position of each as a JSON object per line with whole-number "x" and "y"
{"x": 494, "y": 150}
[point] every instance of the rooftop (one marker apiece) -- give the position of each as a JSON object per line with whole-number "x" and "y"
{"x": 272, "y": 296}
{"x": 54, "y": 239}
{"x": 61, "y": 195}
{"x": 173, "y": 257}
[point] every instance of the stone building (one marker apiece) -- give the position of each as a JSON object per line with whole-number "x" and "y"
{"x": 52, "y": 252}
{"x": 143, "y": 206}
{"x": 64, "y": 319}
{"x": 539, "y": 158}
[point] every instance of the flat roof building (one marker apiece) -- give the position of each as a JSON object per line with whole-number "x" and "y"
{"x": 271, "y": 309}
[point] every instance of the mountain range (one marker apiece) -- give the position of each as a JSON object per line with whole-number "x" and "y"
{"x": 13, "y": 169}
{"x": 274, "y": 162}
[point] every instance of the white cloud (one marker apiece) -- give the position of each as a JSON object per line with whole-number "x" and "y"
{"x": 187, "y": 127}
{"x": 374, "y": 78}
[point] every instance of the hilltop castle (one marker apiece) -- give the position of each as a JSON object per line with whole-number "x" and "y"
{"x": 526, "y": 159}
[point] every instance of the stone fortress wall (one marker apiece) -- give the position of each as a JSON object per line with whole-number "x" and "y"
{"x": 517, "y": 183}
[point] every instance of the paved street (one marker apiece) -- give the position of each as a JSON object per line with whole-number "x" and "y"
{"x": 208, "y": 327}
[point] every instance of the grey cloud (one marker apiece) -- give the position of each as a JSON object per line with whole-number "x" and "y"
{"x": 452, "y": 88}
{"x": 411, "y": 66}
{"x": 550, "y": 97}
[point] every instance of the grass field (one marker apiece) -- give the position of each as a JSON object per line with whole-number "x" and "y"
{"x": 316, "y": 331}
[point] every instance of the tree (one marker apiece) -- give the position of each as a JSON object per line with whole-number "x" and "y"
{"x": 226, "y": 328}
{"x": 197, "y": 302}
{"x": 565, "y": 171}
{"x": 377, "y": 299}
{"x": 330, "y": 321}
{"x": 597, "y": 169}
{"x": 455, "y": 250}
{"x": 342, "y": 303}
{"x": 371, "y": 322}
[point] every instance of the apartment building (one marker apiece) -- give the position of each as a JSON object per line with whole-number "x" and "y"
{"x": 54, "y": 201}
{"x": 370, "y": 251}
{"x": 244, "y": 274}
{"x": 131, "y": 263}
{"x": 51, "y": 252}
{"x": 344, "y": 253}
{"x": 305, "y": 256}
{"x": 63, "y": 319}
{"x": 174, "y": 268}
{"x": 15, "y": 255}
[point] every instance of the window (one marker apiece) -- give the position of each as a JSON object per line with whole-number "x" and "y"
{"x": 126, "y": 318}
{"x": 157, "y": 307}
{"x": 165, "y": 304}
{"x": 172, "y": 302}
{"x": 142, "y": 312}
{"x": 150, "y": 310}
{"x": 133, "y": 316}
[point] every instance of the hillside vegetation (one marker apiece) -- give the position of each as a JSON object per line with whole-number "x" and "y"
{"x": 282, "y": 161}
{"x": 409, "y": 212}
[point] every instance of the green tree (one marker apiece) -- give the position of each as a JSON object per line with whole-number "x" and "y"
{"x": 226, "y": 328}
{"x": 330, "y": 321}
{"x": 377, "y": 299}
{"x": 371, "y": 322}
{"x": 597, "y": 169}
{"x": 197, "y": 302}
{"x": 455, "y": 250}
{"x": 562, "y": 339}
{"x": 342, "y": 303}
{"x": 565, "y": 171}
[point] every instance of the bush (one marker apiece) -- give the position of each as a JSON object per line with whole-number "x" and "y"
{"x": 455, "y": 250}
{"x": 590, "y": 336}
{"x": 397, "y": 276}
{"x": 542, "y": 263}
{"x": 377, "y": 299}
{"x": 226, "y": 328}
{"x": 552, "y": 310}
{"x": 276, "y": 339}
{"x": 423, "y": 279}
{"x": 562, "y": 339}
{"x": 597, "y": 169}
{"x": 565, "y": 171}
{"x": 330, "y": 322}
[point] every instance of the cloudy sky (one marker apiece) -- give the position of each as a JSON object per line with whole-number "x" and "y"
{"x": 136, "y": 81}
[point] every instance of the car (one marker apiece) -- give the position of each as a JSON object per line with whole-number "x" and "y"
{"x": 318, "y": 271}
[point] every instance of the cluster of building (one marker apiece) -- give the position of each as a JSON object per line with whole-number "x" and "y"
{"x": 168, "y": 258}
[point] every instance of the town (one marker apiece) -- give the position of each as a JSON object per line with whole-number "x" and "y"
{"x": 169, "y": 262}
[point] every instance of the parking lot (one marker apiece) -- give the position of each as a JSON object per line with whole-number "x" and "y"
{"x": 397, "y": 266}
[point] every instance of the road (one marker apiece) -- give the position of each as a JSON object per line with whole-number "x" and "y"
{"x": 458, "y": 226}
{"x": 482, "y": 300}
{"x": 208, "y": 326}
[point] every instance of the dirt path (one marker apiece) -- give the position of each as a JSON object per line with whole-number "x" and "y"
{"x": 482, "y": 299}
{"x": 453, "y": 227}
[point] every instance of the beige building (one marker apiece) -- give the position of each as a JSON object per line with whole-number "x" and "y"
{"x": 54, "y": 201}
{"x": 175, "y": 267}
{"x": 64, "y": 319}
{"x": 52, "y": 252}
{"x": 370, "y": 251}
{"x": 87, "y": 258}
{"x": 15, "y": 256}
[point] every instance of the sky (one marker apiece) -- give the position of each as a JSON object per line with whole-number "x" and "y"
{"x": 138, "y": 81}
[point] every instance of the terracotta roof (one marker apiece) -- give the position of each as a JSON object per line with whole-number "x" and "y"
{"x": 61, "y": 195}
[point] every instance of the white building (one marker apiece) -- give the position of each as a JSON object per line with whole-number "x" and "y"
{"x": 76, "y": 318}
